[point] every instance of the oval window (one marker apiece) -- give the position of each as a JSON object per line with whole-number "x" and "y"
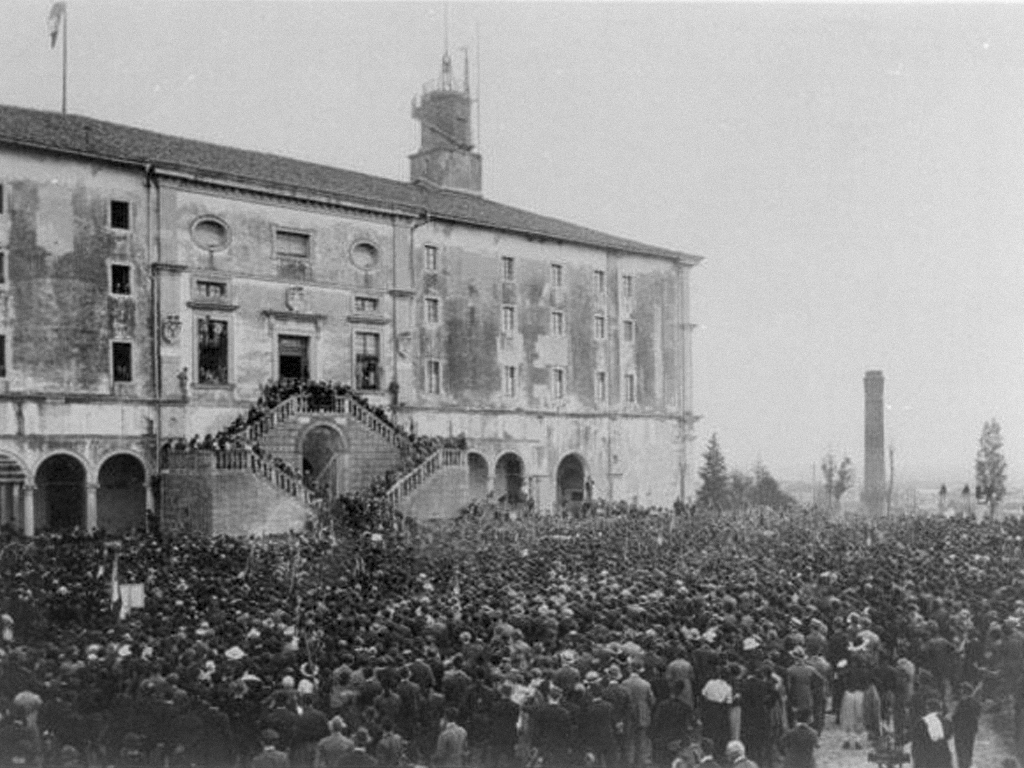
{"x": 210, "y": 234}
{"x": 364, "y": 255}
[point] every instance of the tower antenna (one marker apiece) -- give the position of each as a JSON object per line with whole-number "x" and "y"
{"x": 478, "y": 80}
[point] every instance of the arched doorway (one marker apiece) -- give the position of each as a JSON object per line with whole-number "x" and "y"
{"x": 571, "y": 480}
{"x": 12, "y": 494}
{"x": 477, "y": 476}
{"x": 121, "y": 497}
{"x": 321, "y": 466}
{"x": 60, "y": 493}
{"x": 508, "y": 479}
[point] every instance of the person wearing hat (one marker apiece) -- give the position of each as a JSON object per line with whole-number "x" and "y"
{"x": 965, "y": 724}
{"x": 271, "y": 756}
{"x": 360, "y": 756}
{"x": 310, "y": 726}
{"x": 639, "y": 717}
{"x": 504, "y": 732}
{"x": 805, "y": 687}
{"x": 736, "y": 755}
{"x": 451, "y": 742}
{"x": 671, "y": 722}
{"x": 332, "y": 749}
{"x": 798, "y": 743}
{"x": 929, "y": 738}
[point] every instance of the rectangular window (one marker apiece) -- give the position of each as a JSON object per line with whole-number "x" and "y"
{"x": 434, "y": 377}
{"x": 366, "y": 304}
{"x": 1, "y": 198}
{"x": 213, "y": 351}
{"x": 600, "y": 386}
{"x": 599, "y": 281}
{"x": 627, "y": 286}
{"x": 556, "y": 275}
{"x": 430, "y": 258}
{"x": 630, "y": 386}
{"x": 627, "y": 330}
{"x": 367, "y": 360}
{"x": 508, "y": 268}
{"x": 121, "y": 279}
{"x": 509, "y": 380}
{"x": 3, "y": 266}
{"x": 122, "y": 361}
{"x": 120, "y": 214}
{"x": 433, "y": 310}
{"x": 293, "y": 245}
{"x": 3, "y": 357}
{"x": 558, "y": 383}
{"x": 557, "y": 323}
{"x": 207, "y": 289}
{"x": 599, "y": 327}
{"x": 508, "y": 320}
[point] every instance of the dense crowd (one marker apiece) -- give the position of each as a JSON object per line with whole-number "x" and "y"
{"x": 621, "y": 641}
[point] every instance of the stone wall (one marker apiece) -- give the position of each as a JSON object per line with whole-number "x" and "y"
{"x": 442, "y": 495}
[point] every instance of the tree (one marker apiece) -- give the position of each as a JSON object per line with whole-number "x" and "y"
{"x": 990, "y": 467}
{"x": 766, "y": 491}
{"x": 838, "y": 478}
{"x": 741, "y": 489}
{"x": 714, "y": 477}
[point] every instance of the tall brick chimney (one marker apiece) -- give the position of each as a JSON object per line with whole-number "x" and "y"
{"x": 874, "y": 442}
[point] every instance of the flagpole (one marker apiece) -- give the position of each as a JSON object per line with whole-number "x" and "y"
{"x": 64, "y": 83}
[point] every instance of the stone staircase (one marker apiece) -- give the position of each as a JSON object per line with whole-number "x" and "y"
{"x": 439, "y": 485}
{"x": 265, "y": 474}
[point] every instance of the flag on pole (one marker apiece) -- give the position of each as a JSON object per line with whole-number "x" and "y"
{"x": 115, "y": 582}
{"x": 57, "y": 11}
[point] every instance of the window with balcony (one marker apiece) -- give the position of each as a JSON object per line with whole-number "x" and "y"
{"x": 212, "y": 363}
{"x": 367, "y": 360}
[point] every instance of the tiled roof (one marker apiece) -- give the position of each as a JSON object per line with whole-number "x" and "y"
{"x": 79, "y": 135}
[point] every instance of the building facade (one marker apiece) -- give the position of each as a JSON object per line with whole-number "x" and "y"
{"x": 151, "y": 285}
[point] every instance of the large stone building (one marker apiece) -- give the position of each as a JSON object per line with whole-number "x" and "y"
{"x": 150, "y": 285}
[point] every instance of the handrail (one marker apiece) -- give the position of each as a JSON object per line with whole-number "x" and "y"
{"x": 240, "y": 459}
{"x": 415, "y": 477}
{"x": 345, "y": 404}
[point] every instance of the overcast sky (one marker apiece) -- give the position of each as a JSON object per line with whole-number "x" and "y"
{"x": 852, "y": 174}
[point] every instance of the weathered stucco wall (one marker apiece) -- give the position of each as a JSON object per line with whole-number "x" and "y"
{"x": 60, "y": 317}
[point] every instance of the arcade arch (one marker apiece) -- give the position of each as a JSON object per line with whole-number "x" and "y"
{"x": 121, "y": 495}
{"x": 60, "y": 496}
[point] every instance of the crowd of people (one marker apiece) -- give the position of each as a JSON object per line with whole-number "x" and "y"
{"x": 622, "y": 641}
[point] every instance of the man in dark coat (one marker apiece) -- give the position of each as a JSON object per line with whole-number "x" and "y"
{"x": 271, "y": 756}
{"x": 799, "y": 742}
{"x": 929, "y": 738}
{"x": 551, "y": 729}
{"x": 503, "y": 727}
{"x": 965, "y": 725}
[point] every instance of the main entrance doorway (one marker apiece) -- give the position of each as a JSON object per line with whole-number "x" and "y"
{"x": 293, "y": 357}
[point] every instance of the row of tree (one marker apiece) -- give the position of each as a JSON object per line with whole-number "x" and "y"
{"x": 721, "y": 489}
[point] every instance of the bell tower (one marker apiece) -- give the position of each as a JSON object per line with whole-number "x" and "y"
{"x": 446, "y": 158}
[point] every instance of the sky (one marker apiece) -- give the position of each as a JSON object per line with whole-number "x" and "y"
{"x": 853, "y": 175}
